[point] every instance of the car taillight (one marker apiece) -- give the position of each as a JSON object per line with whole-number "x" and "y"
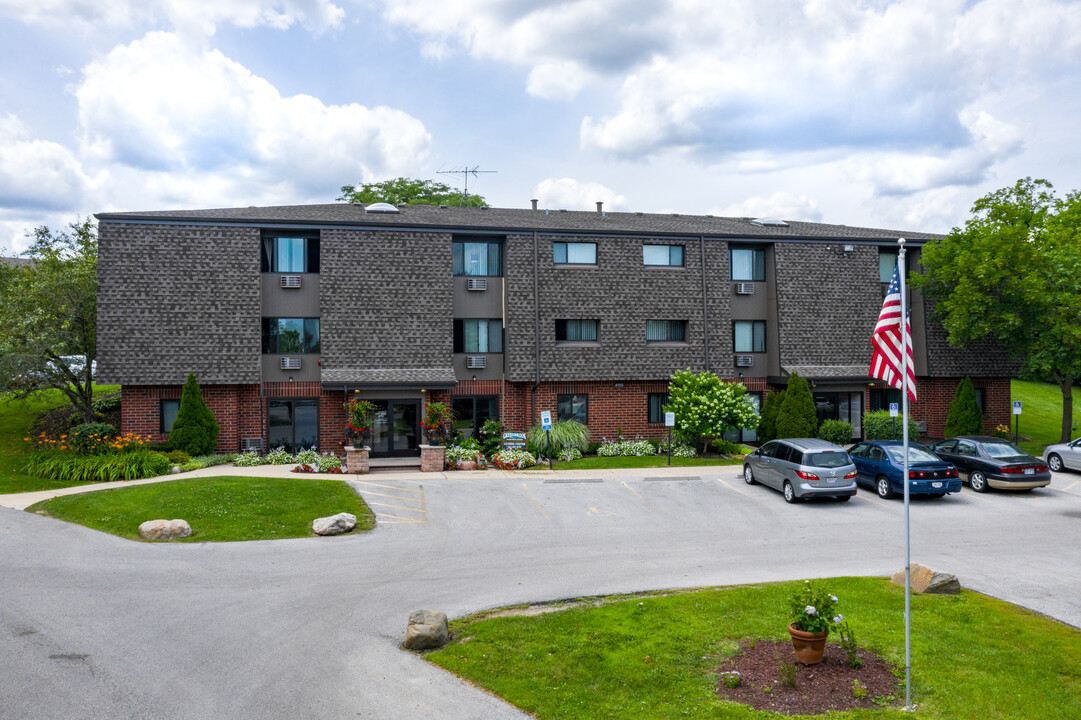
{"x": 1017, "y": 470}
{"x": 952, "y": 472}
{"x": 852, "y": 475}
{"x": 913, "y": 474}
{"x": 806, "y": 475}
{"x": 1039, "y": 468}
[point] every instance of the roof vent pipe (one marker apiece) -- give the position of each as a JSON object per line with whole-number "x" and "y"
{"x": 600, "y": 206}
{"x": 534, "y": 201}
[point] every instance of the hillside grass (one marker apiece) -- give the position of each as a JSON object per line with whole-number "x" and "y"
{"x": 1041, "y": 413}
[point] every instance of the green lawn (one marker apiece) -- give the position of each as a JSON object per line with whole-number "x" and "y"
{"x": 219, "y": 509}
{"x": 655, "y": 657}
{"x": 16, "y": 417}
{"x": 1041, "y": 413}
{"x": 634, "y": 461}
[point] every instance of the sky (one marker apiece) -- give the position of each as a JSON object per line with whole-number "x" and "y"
{"x": 878, "y": 113}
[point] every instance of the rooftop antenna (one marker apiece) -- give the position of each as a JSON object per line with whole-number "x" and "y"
{"x": 465, "y": 172}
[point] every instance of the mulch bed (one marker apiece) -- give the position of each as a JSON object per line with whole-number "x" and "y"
{"x": 58, "y": 421}
{"x": 818, "y": 688}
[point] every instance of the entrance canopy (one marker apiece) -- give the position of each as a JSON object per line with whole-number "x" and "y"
{"x": 824, "y": 374}
{"x": 389, "y": 378}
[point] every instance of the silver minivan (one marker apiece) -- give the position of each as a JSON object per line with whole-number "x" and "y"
{"x": 802, "y": 468}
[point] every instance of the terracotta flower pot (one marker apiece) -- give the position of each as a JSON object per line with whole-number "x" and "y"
{"x": 809, "y": 645}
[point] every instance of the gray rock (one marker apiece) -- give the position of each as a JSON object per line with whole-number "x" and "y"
{"x": 335, "y": 524}
{"x": 926, "y": 580}
{"x": 426, "y": 630}
{"x": 164, "y": 529}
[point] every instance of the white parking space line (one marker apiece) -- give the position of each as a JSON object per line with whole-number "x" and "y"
{"x": 749, "y": 497}
{"x": 869, "y": 499}
{"x": 1067, "y": 488}
{"x": 414, "y": 502}
{"x": 540, "y": 508}
{"x": 643, "y": 498}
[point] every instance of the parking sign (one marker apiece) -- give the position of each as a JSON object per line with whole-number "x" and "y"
{"x": 546, "y": 419}
{"x": 893, "y": 409}
{"x": 1016, "y": 407}
{"x": 670, "y": 419}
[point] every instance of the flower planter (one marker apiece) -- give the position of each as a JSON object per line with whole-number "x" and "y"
{"x": 809, "y": 645}
{"x": 467, "y": 465}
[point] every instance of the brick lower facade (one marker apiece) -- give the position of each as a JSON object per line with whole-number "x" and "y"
{"x": 613, "y": 407}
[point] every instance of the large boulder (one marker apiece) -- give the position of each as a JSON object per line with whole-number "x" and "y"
{"x": 335, "y": 524}
{"x": 164, "y": 529}
{"x": 926, "y": 580}
{"x": 426, "y": 630}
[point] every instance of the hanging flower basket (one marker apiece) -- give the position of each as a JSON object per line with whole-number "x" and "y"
{"x": 436, "y": 419}
{"x": 358, "y": 424}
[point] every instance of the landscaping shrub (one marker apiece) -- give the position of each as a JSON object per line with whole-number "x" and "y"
{"x": 837, "y": 432}
{"x": 796, "y": 417}
{"x": 592, "y": 448}
{"x": 705, "y": 406}
{"x": 568, "y": 454}
{"x": 513, "y": 459}
{"x": 205, "y": 461}
{"x": 91, "y": 438}
{"x": 964, "y": 416}
{"x": 457, "y": 454}
{"x": 726, "y": 447}
{"x": 627, "y": 448}
{"x": 679, "y": 449}
{"x": 328, "y": 463}
{"x": 491, "y": 437}
{"x": 158, "y": 446}
{"x": 178, "y": 457}
{"x": 248, "y": 459}
{"x": 767, "y": 422}
{"x": 878, "y": 425}
{"x": 307, "y": 457}
{"x": 195, "y": 431}
{"x": 279, "y": 456}
{"x": 565, "y": 434}
{"x": 107, "y": 404}
{"x": 70, "y": 467}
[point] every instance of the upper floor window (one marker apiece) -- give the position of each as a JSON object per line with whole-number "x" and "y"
{"x": 887, "y": 262}
{"x": 662, "y": 255}
{"x": 571, "y": 330}
{"x": 478, "y": 257}
{"x": 478, "y": 336}
{"x": 666, "y": 330}
{"x": 748, "y": 264}
{"x": 290, "y": 253}
{"x": 749, "y": 336}
{"x": 291, "y": 335}
{"x": 574, "y": 253}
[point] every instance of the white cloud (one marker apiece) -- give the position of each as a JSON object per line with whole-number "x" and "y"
{"x": 200, "y": 15}
{"x": 571, "y": 194}
{"x": 37, "y": 174}
{"x": 778, "y": 205}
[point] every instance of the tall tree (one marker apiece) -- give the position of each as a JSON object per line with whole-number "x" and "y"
{"x": 705, "y": 406}
{"x": 48, "y": 310}
{"x": 1013, "y": 273}
{"x": 796, "y": 418}
{"x": 964, "y": 416}
{"x": 407, "y": 191}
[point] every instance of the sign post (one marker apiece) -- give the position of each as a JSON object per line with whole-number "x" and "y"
{"x": 1016, "y": 421}
{"x": 546, "y": 425}
{"x": 893, "y": 414}
{"x": 670, "y": 421}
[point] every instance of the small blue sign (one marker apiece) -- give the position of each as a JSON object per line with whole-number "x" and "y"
{"x": 893, "y": 409}
{"x": 546, "y": 420}
{"x": 1016, "y": 407}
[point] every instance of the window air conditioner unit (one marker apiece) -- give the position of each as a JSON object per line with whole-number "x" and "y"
{"x": 290, "y": 281}
{"x": 476, "y": 362}
{"x": 248, "y": 444}
{"x": 744, "y": 360}
{"x": 745, "y": 288}
{"x": 477, "y": 284}
{"x": 290, "y": 363}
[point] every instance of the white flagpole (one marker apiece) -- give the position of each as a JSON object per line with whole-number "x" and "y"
{"x": 904, "y": 434}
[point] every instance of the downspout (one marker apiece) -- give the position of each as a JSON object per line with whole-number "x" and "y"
{"x": 705, "y": 314}
{"x": 536, "y": 333}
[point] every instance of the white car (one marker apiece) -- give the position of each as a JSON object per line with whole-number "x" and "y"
{"x": 1064, "y": 456}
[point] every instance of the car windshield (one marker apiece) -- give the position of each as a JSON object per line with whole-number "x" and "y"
{"x": 826, "y": 459}
{"x": 1002, "y": 449}
{"x": 915, "y": 454}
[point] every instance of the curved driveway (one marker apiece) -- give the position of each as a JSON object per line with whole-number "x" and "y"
{"x": 94, "y": 626}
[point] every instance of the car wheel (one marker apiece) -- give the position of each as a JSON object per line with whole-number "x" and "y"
{"x": 1054, "y": 462}
{"x": 789, "y": 493}
{"x": 978, "y": 481}
{"x": 748, "y": 475}
{"x": 882, "y": 486}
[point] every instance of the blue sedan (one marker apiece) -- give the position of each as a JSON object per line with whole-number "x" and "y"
{"x": 880, "y": 465}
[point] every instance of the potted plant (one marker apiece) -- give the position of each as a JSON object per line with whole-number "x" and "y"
{"x": 436, "y": 418}
{"x": 358, "y": 424}
{"x": 812, "y": 617}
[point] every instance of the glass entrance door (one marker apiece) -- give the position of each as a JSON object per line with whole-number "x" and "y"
{"x": 396, "y": 428}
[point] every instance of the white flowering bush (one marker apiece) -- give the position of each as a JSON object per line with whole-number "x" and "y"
{"x": 307, "y": 457}
{"x": 608, "y": 450}
{"x": 705, "y": 406}
{"x": 678, "y": 449}
{"x": 329, "y": 462}
{"x": 626, "y": 448}
{"x": 513, "y": 459}
{"x": 247, "y": 459}
{"x": 457, "y": 454}
{"x": 568, "y": 454}
{"x": 813, "y": 609}
{"x": 279, "y": 456}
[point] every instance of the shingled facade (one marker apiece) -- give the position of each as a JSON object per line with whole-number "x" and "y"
{"x": 283, "y": 313}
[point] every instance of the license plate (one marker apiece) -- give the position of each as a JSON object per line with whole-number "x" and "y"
{"x": 936, "y": 485}
{"x": 833, "y": 480}
{"x": 1030, "y": 471}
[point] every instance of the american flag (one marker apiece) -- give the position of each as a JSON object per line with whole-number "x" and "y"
{"x": 886, "y": 340}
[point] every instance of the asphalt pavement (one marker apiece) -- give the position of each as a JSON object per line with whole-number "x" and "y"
{"x": 95, "y": 626}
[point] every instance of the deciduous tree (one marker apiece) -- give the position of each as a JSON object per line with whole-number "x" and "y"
{"x": 407, "y": 191}
{"x": 705, "y": 406}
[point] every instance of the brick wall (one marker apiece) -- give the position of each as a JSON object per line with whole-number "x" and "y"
{"x": 141, "y": 410}
{"x": 935, "y": 394}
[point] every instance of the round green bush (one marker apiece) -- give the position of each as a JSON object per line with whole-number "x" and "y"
{"x": 178, "y": 457}
{"x": 878, "y": 425}
{"x": 837, "y": 432}
{"x": 91, "y": 438}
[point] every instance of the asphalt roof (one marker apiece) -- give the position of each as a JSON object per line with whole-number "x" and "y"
{"x": 464, "y": 219}
{"x": 15, "y": 260}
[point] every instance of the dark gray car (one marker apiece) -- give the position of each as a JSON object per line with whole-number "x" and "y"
{"x": 802, "y": 468}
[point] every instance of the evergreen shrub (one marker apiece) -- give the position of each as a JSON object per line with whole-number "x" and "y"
{"x": 195, "y": 431}
{"x": 767, "y": 423}
{"x": 965, "y": 416}
{"x": 796, "y": 418}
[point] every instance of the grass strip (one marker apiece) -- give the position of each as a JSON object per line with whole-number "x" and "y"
{"x": 219, "y": 509}
{"x": 646, "y": 657}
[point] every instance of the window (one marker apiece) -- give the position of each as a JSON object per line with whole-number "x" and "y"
{"x": 470, "y": 413}
{"x": 290, "y": 253}
{"x": 573, "y": 407}
{"x": 887, "y": 261}
{"x": 946, "y": 446}
{"x": 666, "y": 330}
{"x": 748, "y": 264}
{"x": 882, "y": 397}
{"x": 169, "y": 409}
{"x": 478, "y": 336}
{"x": 576, "y": 330}
{"x": 981, "y": 398}
{"x": 745, "y": 435}
{"x": 655, "y": 403}
{"x": 293, "y": 424}
{"x": 859, "y": 450}
{"x": 571, "y": 253}
{"x": 478, "y": 257}
{"x": 662, "y": 255}
{"x": 290, "y": 335}
{"x": 750, "y": 336}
